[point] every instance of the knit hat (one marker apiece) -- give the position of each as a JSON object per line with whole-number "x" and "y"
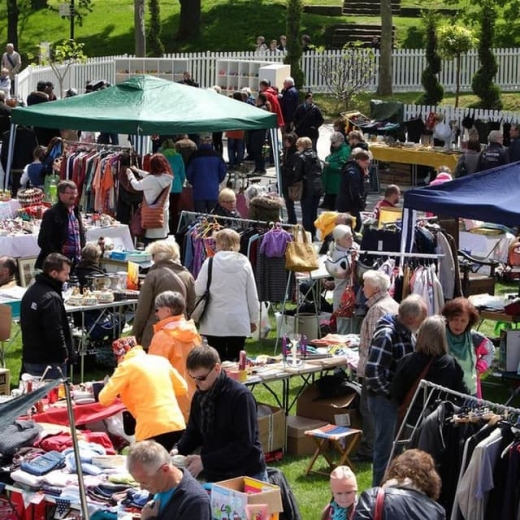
{"x": 122, "y": 345}
{"x": 343, "y": 479}
{"x": 441, "y": 179}
{"x": 340, "y": 231}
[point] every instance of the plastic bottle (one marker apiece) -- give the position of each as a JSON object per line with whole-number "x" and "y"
{"x": 242, "y": 360}
{"x": 284, "y": 345}
{"x": 53, "y": 190}
{"x": 304, "y": 345}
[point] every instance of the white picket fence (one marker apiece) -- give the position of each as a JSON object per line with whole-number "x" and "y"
{"x": 408, "y": 65}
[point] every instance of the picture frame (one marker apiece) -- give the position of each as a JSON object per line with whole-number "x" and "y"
{"x": 26, "y": 270}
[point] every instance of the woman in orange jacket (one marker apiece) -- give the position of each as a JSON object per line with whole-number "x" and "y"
{"x": 174, "y": 337}
{"x": 148, "y": 386}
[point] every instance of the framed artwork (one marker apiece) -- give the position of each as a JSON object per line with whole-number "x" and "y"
{"x": 26, "y": 270}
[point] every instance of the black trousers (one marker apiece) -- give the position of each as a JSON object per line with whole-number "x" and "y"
{"x": 167, "y": 440}
{"x": 228, "y": 347}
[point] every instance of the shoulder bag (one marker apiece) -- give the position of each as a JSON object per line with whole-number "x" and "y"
{"x": 202, "y": 303}
{"x": 296, "y": 191}
{"x": 300, "y": 255}
{"x": 347, "y": 304}
{"x": 152, "y": 215}
{"x": 380, "y": 502}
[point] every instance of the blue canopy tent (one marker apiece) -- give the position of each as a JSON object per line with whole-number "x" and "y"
{"x": 492, "y": 196}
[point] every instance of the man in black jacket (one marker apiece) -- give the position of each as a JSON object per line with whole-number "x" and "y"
{"x": 62, "y": 229}
{"x": 176, "y": 493}
{"x": 222, "y": 423}
{"x": 46, "y": 336}
{"x": 495, "y": 154}
{"x": 307, "y": 120}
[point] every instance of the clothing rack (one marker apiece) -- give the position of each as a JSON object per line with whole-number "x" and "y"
{"x": 400, "y": 255}
{"x": 430, "y": 391}
{"x": 99, "y": 146}
{"x": 195, "y": 214}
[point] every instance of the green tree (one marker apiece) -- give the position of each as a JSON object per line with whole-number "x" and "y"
{"x": 62, "y": 56}
{"x": 155, "y": 45}
{"x": 384, "y": 87}
{"x": 294, "y": 47}
{"x": 433, "y": 91}
{"x": 483, "y": 84}
{"x": 139, "y": 28}
{"x": 348, "y": 76}
{"x": 455, "y": 40}
{"x": 189, "y": 19}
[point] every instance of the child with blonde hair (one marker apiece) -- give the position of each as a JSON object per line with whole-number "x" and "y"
{"x": 343, "y": 484}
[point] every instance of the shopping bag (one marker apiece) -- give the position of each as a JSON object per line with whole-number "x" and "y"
{"x": 300, "y": 255}
{"x": 347, "y": 303}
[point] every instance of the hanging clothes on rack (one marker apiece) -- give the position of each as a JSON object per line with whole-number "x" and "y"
{"x": 476, "y": 447}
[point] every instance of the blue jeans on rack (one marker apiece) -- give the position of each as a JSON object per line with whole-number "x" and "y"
{"x": 384, "y": 411}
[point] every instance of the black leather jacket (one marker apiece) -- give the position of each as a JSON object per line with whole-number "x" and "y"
{"x": 399, "y": 503}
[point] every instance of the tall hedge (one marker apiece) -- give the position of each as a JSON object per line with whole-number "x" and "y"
{"x": 294, "y": 47}
{"x": 483, "y": 81}
{"x": 433, "y": 90}
{"x": 154, "y": 43}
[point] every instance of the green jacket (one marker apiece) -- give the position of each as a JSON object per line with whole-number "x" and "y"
{"x": 331, "y": 173}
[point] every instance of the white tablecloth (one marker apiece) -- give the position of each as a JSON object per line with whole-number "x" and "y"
{"x": 8, "y": 208}
{"x": 485, "y": 246}
{"x": 23, "y": 246}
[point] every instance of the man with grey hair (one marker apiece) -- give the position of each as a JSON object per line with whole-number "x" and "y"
{"x": 12, "y": 61}
{"x": 379, "y": 303}
{"x": 392, "y": 340}
{"x": 176, "y": 493}
{"x": 289, "y": 103}
{"x": 495, "y": 154}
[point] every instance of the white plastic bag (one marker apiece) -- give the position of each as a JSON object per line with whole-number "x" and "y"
{"x": 263, "y": 322}
{"x": 284, "y": 324}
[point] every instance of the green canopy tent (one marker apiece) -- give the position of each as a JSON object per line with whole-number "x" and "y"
{"x": 146, "y": 105}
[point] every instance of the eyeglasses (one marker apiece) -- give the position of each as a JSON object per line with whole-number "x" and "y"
{"x": 70, "y": 193}
{"x": 201, "y": 378}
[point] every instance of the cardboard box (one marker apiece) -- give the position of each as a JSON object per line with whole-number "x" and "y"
{"x": 298, "y": 443}
{"x": 271, "y": 429}
{"x": 5, "y": 387}
{"x": 310, "y": 405}
{"x": 509, "y": 353}
{"x": 230, "y": 498}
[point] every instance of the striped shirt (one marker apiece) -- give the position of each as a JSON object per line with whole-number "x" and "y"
{"x": 72, "y": 246}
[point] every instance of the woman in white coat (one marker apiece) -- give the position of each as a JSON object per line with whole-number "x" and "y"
{"x": 231, "y": 313}
{"x": 152, "y": 185}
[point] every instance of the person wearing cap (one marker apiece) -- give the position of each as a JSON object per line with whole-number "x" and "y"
{"x": 343, "y": 485}
{"x": 157, "y": 414}
{"x": 331, "y": 178}
{"x": 205, "y": 171}
{"x": 342, "y": 252}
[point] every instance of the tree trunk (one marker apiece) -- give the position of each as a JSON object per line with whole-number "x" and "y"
{"x": 457, "y": 72}
{"x": 384, "y": 87}
{"x": 189, "y": 20}
{"x": 139, "y": 28}
{"x": 12, "y": 22}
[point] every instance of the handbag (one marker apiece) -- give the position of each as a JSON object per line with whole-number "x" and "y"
{"x": 201, "y": 304}
{"x": 295, "y": 191}
{"x": 347, "y": 304}
{"x": 380, "y": 501}
{"x": 300, "y": 255}
{"x": 152, "y": 215}
{"x": 403, "y": 407}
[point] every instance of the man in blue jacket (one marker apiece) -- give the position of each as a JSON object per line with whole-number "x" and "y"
{"x": 176, "y": 493}
{"x": 205, "y": 171}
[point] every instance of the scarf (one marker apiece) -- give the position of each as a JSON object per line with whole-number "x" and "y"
{"x": 206, "y": 403}
{"x": 336, "y": 512}
{"x": 461, "y": 348}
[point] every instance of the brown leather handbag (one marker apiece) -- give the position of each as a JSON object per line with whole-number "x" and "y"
{"x": 300, "y": 255}
{"x": 152, "y": 215}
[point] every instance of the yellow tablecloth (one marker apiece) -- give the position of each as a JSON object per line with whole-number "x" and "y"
{"x": 411, "y": 156}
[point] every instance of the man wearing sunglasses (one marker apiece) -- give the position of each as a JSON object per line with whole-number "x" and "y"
{"x": 222, "y": 423}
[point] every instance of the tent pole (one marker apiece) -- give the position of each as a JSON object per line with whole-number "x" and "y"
{"x": 10, "y": 153}
{"x": 77, "y": 458}
{"x": 276, "y": 155}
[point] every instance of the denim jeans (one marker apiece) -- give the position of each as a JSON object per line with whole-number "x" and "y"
{"x": 384, "y": 411}
{"x": 367, "y": 442}
{"x": 37, "y": 369}
{"x": 261, "y": 476}
{"x": 235, "y": 152}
